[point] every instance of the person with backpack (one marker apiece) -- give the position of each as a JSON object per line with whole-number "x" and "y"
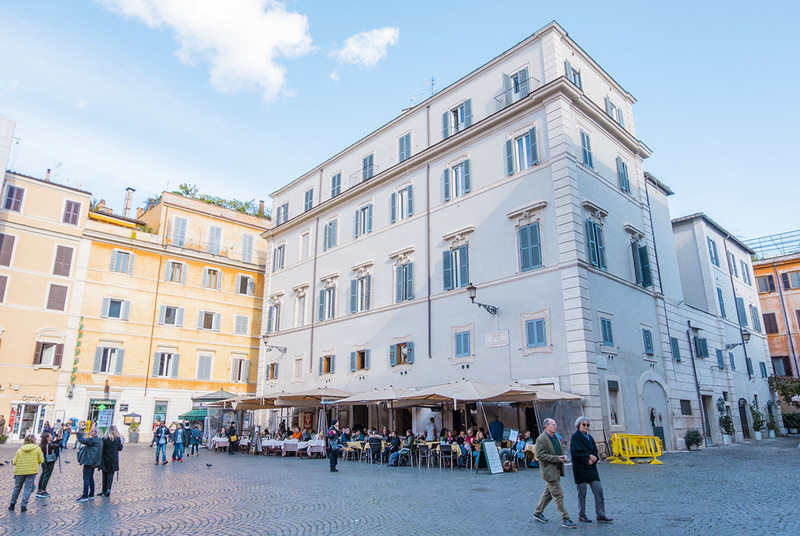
{"x": 26, "y": 464}
{"x": 90, "y": 456}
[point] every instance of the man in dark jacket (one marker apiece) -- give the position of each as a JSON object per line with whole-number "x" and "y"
{"x": 584, "y": 468}
{"x": 160, "y": 438}
{"x": 334, "y": 442}
{"x": 551, "y": 465}
{"x": 90, "y": 456}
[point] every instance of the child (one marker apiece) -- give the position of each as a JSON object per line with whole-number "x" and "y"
{"x": 26, "y": 461}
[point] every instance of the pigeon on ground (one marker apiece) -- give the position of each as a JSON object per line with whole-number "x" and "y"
{"x": 66, "y": 461}
{"x": 208, "y": 465}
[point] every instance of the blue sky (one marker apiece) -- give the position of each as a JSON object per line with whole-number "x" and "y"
{"x": 242, "y": 100}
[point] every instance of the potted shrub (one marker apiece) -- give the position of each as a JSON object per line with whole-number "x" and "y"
{"x": 791, "y": 421}
{"x": 726, "y": 424}
{"x": 3, "y": 439}
{"x": 133, "y": 432}
{"x": 772, "y": 425}
{"x": 693, "y": 438}
{"x": 758, "y": 422}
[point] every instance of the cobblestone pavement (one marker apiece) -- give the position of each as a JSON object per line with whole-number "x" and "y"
{"x": 738, "y": 490}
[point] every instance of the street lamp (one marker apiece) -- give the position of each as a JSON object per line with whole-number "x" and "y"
{"x": 473, "y": 291}
{"x": 745, "y": 337}
{"x": 269, "y": 347}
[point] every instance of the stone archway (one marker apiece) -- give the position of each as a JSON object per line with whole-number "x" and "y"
{"x": 654, "y": 411}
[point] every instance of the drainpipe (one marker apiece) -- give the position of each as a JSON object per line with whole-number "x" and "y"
{"x": 697, "y": 382}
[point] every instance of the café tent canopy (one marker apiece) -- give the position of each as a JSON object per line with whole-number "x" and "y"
{"x": 317, "y": 396}
{"x": 245, "y": 402}
{"x": 471, "y": 391}
{"x": 385, "y": 394}
{"x": 546, "y": 394}
{"x": 194, "y": 415}
{"x": 213, "y": 397}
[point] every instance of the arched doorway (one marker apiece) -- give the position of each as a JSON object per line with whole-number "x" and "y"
{"x": 743, "y": 417}
{"x": 654, "y": 399}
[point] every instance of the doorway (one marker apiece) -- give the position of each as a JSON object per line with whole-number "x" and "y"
{"x": 29, "y": 419}
{"x": 743, "y": 417}
{"x": 706, "y": 402}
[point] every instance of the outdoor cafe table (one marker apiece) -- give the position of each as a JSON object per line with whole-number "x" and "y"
{"x": 219, "y": 443}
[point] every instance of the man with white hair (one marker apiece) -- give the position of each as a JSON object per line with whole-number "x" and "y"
{"x": 584, "y": 468}
{"x": 551, "y": 465}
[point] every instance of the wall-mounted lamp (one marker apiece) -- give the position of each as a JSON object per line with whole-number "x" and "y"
{"x": 269, "y": 347}
{"x": 473, "y": 291}
{"x": 745, "y": 337}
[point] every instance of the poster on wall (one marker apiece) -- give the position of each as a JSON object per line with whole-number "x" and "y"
{"x": 308, "y": 420}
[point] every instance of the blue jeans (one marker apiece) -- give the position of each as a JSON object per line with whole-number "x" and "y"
{"x": 162, "y": 448}
{"x": 177, "y": 451}
{"x": 88, "y": 481}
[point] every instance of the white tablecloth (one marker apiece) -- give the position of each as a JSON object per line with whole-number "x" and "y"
{"x": 219, "y": 443}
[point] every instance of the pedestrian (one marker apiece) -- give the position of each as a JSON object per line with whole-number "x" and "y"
{"x": 194, "y": 442}
{"x": 160, "y": 437}
{"x": 2, "y": 425}
{"x": 26, "y": 464}
{"x": 67, "y": 429}
{"x": 112, "y": 445}
{"x": 584, "y": 468}
{"x": 90, "y": 456}
{"x": 50, "y": 450}
{"x": 496, "y": 429}
{"x": 551, "y": 465}
{"x": 233, "y": 439}
{"x": 334, "y": 436}
{"x": 178, "y": 441}
{"x": 430, "y": 430}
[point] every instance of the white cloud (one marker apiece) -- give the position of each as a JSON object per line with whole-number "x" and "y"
{"x": 241, "y": 40}
{"x": 10, "y": 86}
{"x": 335, "y": 75}
{"x": 367, "y": 48}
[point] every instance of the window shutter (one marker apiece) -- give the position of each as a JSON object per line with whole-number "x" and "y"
{"x": 447, "y": 269}
{"x": 463, "y": 265}
{"x": 113, "y": 263}
{"x": 467, "y": 181}
{"x": 468, "y": 112}
{"x": 184, "y": 269}
{"x": 175, "y": 361}
{"x": 246, "y": 371}
{"x": 322, "y": 305}
{"x": 741, "y": 310}
{"x": 608, "y": 106}
{"x": 333, "y": 364}
{"x": 533, "y": 146}
{"x": 106, "y": 305}
{"x": 447, "y": 184}
{"x": 126, "y": 310}
{"x": 733, "y": 363}
{"x": 445, "y": 125}
{"x": 369, "y": 219}
{"x": 676, "y": 350}
{"x": 592, "y": 242}
{"x": 523, "y": 83}
{"x": 401, "y": 152}
{"x": 216, "y": 321}
{"x": 276, "y": 370}
{"x": 131, "y": 261}
{"x": 621, "y": 117}
{"x": 368, "y": 292}
{"x": 333, "y": 302}
{"x": 219, "y": 279}
{"x": 637, "y": 262}
{"x": 393, "y": 355}
{"x": 410, "y": 197}
{"x": 541, "y": 336}
{"x": 787, "y": 285}
{"x": 206, "y": 276}
{"x": 353, "y": 295}
{"x": 58, "y": 354}
{"x": 270, "y": 315}
{"x": 410, "y": 353}
{"x": 601, "y": 247}
{"x": 763, "y": 367}
{"x": 525, "y": 262}
{"x": 721, "y": 302}
{"x": 353, "y": 358}
{"x": 644, "y": 260}
{"x": 200, "y": 319}
{"x": 506, "y": 90}
{"x": 6, "y": 249}
{"x": 410, "y": 281}
{"x": 156, "y": 363}
{"x": 355, "y": 223}
{"x": 251, "y": 286}
{"x": 366, "y": 359}
{"x": 37, "y": 354}
{"x": 530, "y": 334}
{"x": 399, "y": 279}
{"x": 120, "y": 359}
{"x": 179, "y": 318}
{"x": 568, "y": 70}
{"x": 749, "y": 363}
{"x": 720, "y": 359}
{"x": 509, "y": 157}
{"x": 394, "y": 207}
{"x": 98, "y": 359}
{"x": 536, "y": 245}
{"x": 162, "y": 314}
{"x": 332, "y": 241}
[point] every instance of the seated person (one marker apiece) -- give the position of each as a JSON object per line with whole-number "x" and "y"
{"x": 385, "y": 434}
{"x": 408, "y": 444}
{"x": 375, "y": 445}
{"x": 359, "y": 435}
{"x": 306, "y": 435}
{"x": 443, "y": 436}
{"x": 346, "y": 437}
{"x": 297, "y": 434}
{"x": 392, "y": 446}
{"x": 476, "y": 445}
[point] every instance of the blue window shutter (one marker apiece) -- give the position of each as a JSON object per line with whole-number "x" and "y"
{"x": 410, "y": 281}
{"x": 533, "y": 146}
{"x": 366, "y": 359}
{"x": 608, "y": 105}
{"x": 368, "y": 291}
{"x": 601, "y": 247}
{"x": 175, "y": 362}
{"x": 321, "y": 365}
{"x": 592, "y": 242}
{"x": 467, "y": 181}
{"x": 334, "y": 224}
{"x": 447, "y": 184}
{"x": 720, "y": 359}
{"x": 322, "y": 304}
{"x": 536, "y": 245}
{"x": 530, "y": 334}
{"x": 721, "y": 303}
{"x": 525, "y": 262}
{"x": 369, "y": 218}
{"x": 468, "y": 112}
{"x": 156, "y": 363}
{"x": 749, "y": 363}
{"x": 447, "y": 269}
{"x": 463, "y": 265}
{"x": 401, "y": 148}
{"x": 541, "y": 334}
{"x": 410, "y": 197}
{"x": 120, "y": 358}
{"x": 98, "y": 359}
{"x": 506, "y": 90}
{"x": 445, "y": 125}
{"x": 509, "y": 157}
{"x": 763, "y": 367}
{"x": 399, "y": 279}
{"x": 619, "y": 172}
{"x": 353, "y": 358}
{"x": 333, "y": 302}
{"x": 270, "y": 317}
{"x": 353, "y": 295}
{"x": 740, "y": 309}
{"x": 523, "y": 83}
{"x": 676, "y": 350}
{"x": 733, "y": 363}
{"x": 355, "y": 222}
{"x": 394, "y": 207}
{"x": 393, "y": 355}
{"x": 410, "y": 352}
{"x": 621, "y": 117}
{"x": 644, "y": 261}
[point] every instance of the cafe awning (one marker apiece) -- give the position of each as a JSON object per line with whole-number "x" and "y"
{"x": 193, "y": 415}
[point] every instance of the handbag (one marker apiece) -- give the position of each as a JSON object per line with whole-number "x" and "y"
{"x": 50, "y": 458}
{"x": 233, "y": 438}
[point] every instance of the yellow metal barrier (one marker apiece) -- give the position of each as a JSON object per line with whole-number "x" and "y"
{"x": 627, "y": 446}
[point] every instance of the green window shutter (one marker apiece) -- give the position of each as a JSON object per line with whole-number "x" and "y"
{"x": 446, "y": 184}
{"x": 720, "y": 359}
{"x": 676, "y": 350}
{"x": 393, "y": 355}
{"x": 410, "y": 352}
{"x": 644, "y": 260}
{"x": 353, "y": 359}
{"x": 591, "y": 242}
{"x": 533, "y": 146}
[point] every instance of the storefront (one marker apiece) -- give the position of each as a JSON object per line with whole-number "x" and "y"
{"x": 97, "y": 405}
{"x": 28, "y": 415}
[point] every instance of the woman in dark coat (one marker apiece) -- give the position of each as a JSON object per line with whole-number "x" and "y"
{"x": 584, "y": 468}
{"x": 112, "y": 444}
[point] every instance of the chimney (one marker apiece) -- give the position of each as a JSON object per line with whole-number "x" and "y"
{"x": 261, "y": 208}
{"x": 47, "y": 177}
{"x": 139, "y": 212}
{"x": 128, "y": 197}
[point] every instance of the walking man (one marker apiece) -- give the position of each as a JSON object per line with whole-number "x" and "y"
{"x": 551, "y": 465}
{"x": 160, "y": 437}
{"x": 584, "y": 468}
{"x": 333, "y": 444}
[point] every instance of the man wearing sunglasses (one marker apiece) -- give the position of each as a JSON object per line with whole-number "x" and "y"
{"x": 584, "y": 454}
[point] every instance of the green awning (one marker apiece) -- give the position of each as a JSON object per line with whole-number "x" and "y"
{"x": 193, "y": 415}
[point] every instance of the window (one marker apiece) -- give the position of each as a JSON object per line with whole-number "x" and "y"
{"x": 641, "y": 264}
{"x": 404, "y": 282}
{"x": 297, "y": 373}
{"x": 614, "y": 407}
{"x": 732, "y": 265}
{"x": 247, "y": 248}
{"x": 712, "y": 252}
{"x": 749, "y": 363}
{"x": 367, "y": 167}
{"x": 401, "y": 354}
{"x": 300, "y": 311}
{"x": 455, "y": 263}
{"x": 6, "y": 248}
{"x": 336, "y": 184}
{"x": 245, "y": 284}
{"x": 457, "y": 180}
{"x": 165, "y": 365}
{"x": 701, "y": 346}
{"x": 791, "y": 280}
{"x": 686, "y": 407}
{"x": 208, "y": 321}
{"x": 530, "y": 248}
{"x": 240, "y": 370}
{"x": 536, "y": 333}
{"x": 573, "y": 74}
{"x": 607, "y": 329}
{"x": 741, "y": 310}
{"x": 212, "y": 278}
{"x": 720, "y": 359}
{"x": 622, "y": 175}
{"x": 277, "y": 258}
{"x": 170, "y": 316}
{"x": 175, "y": 272}
{"x": 745, "y": 272}
{"x": 763, "y": 367}
{"x": 360, "y": 293}
{"x": 329, "y": 239}
{"x": 359, "y": 360}
{"x": 615, "y": 112}
{"x": 676, "y": 349}
{"x": 72, "y": 210}
{"x": 214, "y": 239}
{"x": 13, "y": 200}
{"x": 731, "y": 360}
{"x": 515, "y": 86}
{"x": 721, "y": 302}
{"x": 596, "y": 244}
{"x": 457, "y": 119}
{"x": 274, "y": 318}
{"x": 305, "y": 240}
{"x": 780, "y": 364}
{"x": 756, "y": 318}
{"x": 240, "y": 325}
{"x": 402, "y": 204}
{"x": 522, "y": 152}
{"x": 122, "y": 262}
{"x": 308, "y": 200}
{"x": 283, "y": 214}
{"x": 3, "y": 284}
{"x": 179, "y": 232}
{"x": 48, "y": 354}
{"x": 462, "y": 344}
{"x": 327, "y": 303}
{"x": 404, "y": 147}
{"x": 586, "y": 150}
{"x": 765, "y": 284}
{"x": 57, "y": 297}
{"x": 271, "y": 372}
{"x": 204, "y": 361}
{"x": 63, "y": 261}
{"x": 327, "y": 364}
{"x": 108, "y": 360}
{"x": 114, "y": 308}
{"x": 647, "y": 339}
{"x": 770, "y": 323}
{"x": 363, "y": 220}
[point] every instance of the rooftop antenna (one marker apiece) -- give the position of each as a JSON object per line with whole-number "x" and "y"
{"x": 16, "y": 150}
{"x": 422, "y": 94}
